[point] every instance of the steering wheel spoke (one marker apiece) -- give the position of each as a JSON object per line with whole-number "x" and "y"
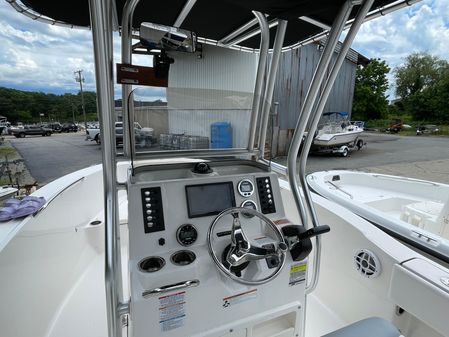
{"x": 241, "y": 250}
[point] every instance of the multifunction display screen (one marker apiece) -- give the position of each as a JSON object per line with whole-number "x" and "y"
{"x": 209, "y": 199}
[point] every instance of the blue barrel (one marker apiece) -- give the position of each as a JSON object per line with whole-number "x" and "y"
{"x": 221, "y": 135}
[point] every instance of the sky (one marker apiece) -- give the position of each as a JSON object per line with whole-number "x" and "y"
{"x": 39, "y": 57}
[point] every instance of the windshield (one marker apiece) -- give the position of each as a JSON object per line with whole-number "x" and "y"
{"x": 191, "y": 119}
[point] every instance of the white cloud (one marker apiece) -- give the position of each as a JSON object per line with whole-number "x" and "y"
{"x": 42, "y": 56}
{"x": 424, "y": 27}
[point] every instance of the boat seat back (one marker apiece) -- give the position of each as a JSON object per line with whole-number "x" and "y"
{"x": 369, "y": 327}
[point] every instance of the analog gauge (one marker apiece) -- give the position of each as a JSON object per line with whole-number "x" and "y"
{"x": 186, "y": 234}
{"x": 245, "y": 188}
{"x": 248, "y": 204}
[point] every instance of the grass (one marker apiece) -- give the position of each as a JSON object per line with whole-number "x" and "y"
{"x": 7, "y": 150}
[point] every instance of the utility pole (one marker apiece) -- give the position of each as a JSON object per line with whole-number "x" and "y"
{"x": 79, "y": 78}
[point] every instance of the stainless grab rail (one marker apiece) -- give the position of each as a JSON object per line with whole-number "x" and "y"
{"x": 306, "y": 111}
{"x": 271, "y": 81}
{"x": 49, "y": 201}
{"x": 170, "y": 287}
{"x": 340, "y": 189}
{"x": 313, "y": 121}
{"x": 261, "y": 68}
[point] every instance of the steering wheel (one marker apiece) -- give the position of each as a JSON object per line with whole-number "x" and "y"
{"x": 242, "y": 259}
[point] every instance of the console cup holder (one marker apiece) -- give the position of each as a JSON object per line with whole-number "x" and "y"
{"x": 183, "y": 257}
{"x": 151, "y": 264}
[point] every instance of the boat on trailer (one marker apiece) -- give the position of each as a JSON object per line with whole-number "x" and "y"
{"x": 336, "y": 134}
{"x": 209, "y": 242}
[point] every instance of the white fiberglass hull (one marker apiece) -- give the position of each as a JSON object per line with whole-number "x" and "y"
{"x": 417, "y": 210}
{"x": 52, "y": 270}
{"x": 335, "y": 139}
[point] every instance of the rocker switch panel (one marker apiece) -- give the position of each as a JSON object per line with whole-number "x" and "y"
{"x": 266, "y": 196}
{"x": 153, "y": 214}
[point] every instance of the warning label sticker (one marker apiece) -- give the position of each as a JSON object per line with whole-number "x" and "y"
{"x": 297, "y": 273}
{"x": 239, "y": 298}
{"x": 172, "y": 311}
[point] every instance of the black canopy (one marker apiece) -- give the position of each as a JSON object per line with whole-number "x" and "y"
{"x": 211, "y": 19}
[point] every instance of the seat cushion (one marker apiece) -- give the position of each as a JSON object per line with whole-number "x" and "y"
{"x": 369, "y": 327}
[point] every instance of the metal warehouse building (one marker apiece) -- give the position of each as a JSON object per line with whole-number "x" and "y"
{"x": 194, "y": 75}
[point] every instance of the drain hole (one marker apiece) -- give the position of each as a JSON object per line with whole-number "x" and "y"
{"x": 183, "y": 258}
{"x": 151, "y": 264}
{"x": 95, "y": 223}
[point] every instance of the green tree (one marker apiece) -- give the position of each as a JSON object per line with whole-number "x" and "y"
{"x": 422, "y": 83}
{"x": 25, "y": 106}
{"x": 419, "y": 72}
{"x": 371, "y": 84}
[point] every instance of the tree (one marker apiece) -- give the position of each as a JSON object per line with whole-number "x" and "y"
{"x": 422, "y": 83}
{"x": 419, "y": 72}
{"x": 25, "y": 106}
{"x": 371, "y": 84}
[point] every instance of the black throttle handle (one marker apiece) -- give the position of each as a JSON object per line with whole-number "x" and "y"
{"x": 299, "y": 239}
{"x": 310, "y": 233}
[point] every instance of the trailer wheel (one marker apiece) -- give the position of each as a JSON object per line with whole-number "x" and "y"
{"x": 359, "y": 144}
{"x": 345, "y": 152}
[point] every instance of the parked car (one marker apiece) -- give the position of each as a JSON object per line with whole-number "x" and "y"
{"x": 30, "y": 130}
{"x": 143, "y": 136}
{"x": 69, "y": 127}
{"x": 55, "y": 127}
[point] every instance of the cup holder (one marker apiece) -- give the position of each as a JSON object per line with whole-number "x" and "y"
{"x": 151, "y": 264}
{"x": 183, "y": 258}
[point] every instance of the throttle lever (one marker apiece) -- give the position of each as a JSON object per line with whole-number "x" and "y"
{"x": 310, "y": 233}
{"x": 299, "y": 239}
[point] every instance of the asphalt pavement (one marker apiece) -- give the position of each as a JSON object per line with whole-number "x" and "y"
{"x": 48, "y": 158}
{"x": 424, "y": 157}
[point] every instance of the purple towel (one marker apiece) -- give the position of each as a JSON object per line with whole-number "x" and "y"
{"x": 14, "y": 208}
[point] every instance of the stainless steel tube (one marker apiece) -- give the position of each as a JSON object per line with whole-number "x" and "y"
{"x": 184, "y": 13}
{"x": 309, "y": 102}
{"x": 127, "y": 111}
{"x": 263, "y": 55}
{"x": 248, "y": 35}
{"x": 378, "y": 12}
{"x": 101, "y": 21}
{"x": 315, "y": 117}
{"x": 238, "y": 31}
{"x": 271, "y": 81}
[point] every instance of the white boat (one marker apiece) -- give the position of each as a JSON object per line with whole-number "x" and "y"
{"x": 416, "y": 211}
{"x": 7, "y": 192}
{"x": 152, "y": 243}
{"x": 336, "y": 130}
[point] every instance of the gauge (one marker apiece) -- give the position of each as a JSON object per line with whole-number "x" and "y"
{"x": 245, "y": 188}
{"x": 186, "y": 234}
{"x": 248, "y": 204}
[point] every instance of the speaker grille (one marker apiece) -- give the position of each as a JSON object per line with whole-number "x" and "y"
{"x": 367, "y": 263}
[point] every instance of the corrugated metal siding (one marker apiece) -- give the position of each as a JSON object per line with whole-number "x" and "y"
{"x": 224, "y": 79}
{"x": 219, "y": 69}
{"x": 295, "y": 73}
{"x": 215, "y": 88}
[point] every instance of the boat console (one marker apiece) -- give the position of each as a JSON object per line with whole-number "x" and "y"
{"x": 207, "y": 237}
